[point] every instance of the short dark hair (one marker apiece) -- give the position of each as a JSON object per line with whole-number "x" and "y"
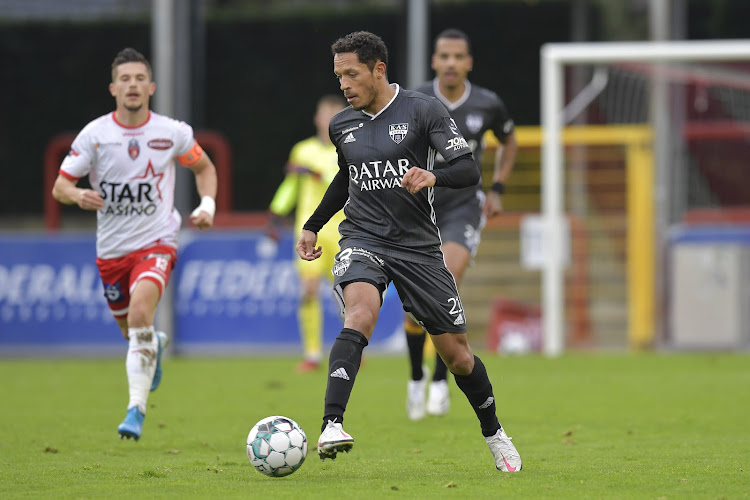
{"x": 455, "y": 34}
{"x": 128, "y": 55}
{"x": 369, "y": 47}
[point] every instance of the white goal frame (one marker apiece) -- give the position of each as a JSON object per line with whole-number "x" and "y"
{"x": 554, "y": 58}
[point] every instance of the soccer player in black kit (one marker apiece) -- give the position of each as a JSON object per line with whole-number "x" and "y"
{"x": 460, "y": 213}
{"x": 386, "y": 141}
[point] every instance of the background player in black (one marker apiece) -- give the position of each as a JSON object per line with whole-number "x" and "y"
{"x": 460, "y": 213}
{"x": 386, "y": 142}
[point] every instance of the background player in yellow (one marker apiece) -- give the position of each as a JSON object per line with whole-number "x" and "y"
{"x": 312, "y": 165}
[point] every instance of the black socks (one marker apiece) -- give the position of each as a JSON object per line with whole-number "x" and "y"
{"x": 416, "y": 353}
{"x": 343, "y": 365}
{"x": 441, "y": 370}
{"x": 478, "y": 390}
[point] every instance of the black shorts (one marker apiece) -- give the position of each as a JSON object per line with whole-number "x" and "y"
{"x": 462, "y": 224}
{"x": 428, "y": 292}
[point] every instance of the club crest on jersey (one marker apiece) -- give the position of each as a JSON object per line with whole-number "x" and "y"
{"x": 134, "y": 149}
{"x": 474, "y": 123}
{"x": 398, "y": 131}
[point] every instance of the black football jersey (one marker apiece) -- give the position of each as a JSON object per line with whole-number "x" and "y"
{"x": 376, "y": 151}
{"x": 478, "y": 110}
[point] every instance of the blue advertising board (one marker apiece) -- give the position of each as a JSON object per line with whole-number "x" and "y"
{"x": 239, "y": 291}
{"x": 231, "y": 293}
{"x": 51, "y": 298}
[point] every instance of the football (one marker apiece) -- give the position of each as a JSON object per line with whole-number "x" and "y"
{"x": 276, "y": 446}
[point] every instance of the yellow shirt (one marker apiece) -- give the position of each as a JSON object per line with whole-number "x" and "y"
{"x": 312, "y": 167}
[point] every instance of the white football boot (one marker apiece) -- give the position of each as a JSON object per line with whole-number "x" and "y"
{"x": 439, "y": 399}
{"x": 506, "y": 456}
{"x": 416, "y": 392}
{"x": 333, "y": 440}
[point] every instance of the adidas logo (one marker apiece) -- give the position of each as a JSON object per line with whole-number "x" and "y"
{"x": 484, "y": 405}
{"x": 350, "y": 138}
{"x": 459, "y": 320}
{"x": 340, "y": 373}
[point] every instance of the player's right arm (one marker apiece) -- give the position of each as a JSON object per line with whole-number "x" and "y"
{"x": 67, "y": 192}
{"x": 282, "y": 203}
{"x": 77, "y": 164}
{"x": 306, "y": 248}
{"x": 334, "y": 200}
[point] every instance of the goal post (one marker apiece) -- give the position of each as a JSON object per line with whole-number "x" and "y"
{"x": 554, "y": 59}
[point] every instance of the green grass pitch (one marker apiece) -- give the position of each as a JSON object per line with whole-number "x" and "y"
{"x": 656, "y": 426}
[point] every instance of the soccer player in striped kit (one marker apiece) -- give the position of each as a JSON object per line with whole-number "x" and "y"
{"x": 387, "y": 141}
{"x": 129, "y": 156}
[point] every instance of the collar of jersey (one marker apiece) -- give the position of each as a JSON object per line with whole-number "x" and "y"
{"x": 398, "y": 89}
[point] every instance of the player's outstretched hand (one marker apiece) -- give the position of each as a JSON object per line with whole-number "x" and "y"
{"x": 202, "y": 220}
{"x": 88, "y": 199}
{"x": 306, "y": 246}
{"x": 203, "y": 216}
{"x": 492, "y": 205}
{"x": 417, "y": 179}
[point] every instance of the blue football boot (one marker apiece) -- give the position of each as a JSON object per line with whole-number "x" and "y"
{"x": 132, "y": 425}
{"x": 163, "y": 343}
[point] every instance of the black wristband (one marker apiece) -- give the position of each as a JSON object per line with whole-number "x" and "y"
{"x": 498, "y": 187}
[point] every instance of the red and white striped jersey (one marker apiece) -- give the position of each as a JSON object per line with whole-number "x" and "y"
{"x": 133, "y": 169}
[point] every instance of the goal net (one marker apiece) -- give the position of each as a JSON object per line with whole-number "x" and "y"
{"x": 634, "y": 136}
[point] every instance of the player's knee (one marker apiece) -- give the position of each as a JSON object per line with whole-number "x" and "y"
{"x": 360, "y": 318}
{"x": 460, "y": 362}
{"x": 140, "y": 314}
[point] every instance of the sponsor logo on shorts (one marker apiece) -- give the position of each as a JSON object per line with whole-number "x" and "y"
{"x": 366, "y": 253}
{"x": 113, "y": 292}
{"x": 340, "y": 267}
{"x": 343, "y": 259}
{"x": 459, "y": 320}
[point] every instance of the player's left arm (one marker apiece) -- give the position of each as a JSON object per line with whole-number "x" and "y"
{"x": 444, "y": 136}
{"x": 206, "y": 183}
{"x": 461, "y": 172}
{"x": 505, "y": 159}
